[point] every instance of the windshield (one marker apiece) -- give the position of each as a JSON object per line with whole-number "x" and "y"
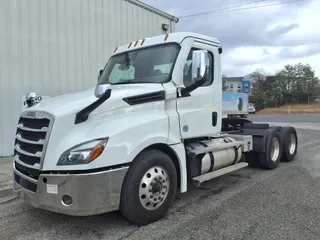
{"x": 149, "y": 65}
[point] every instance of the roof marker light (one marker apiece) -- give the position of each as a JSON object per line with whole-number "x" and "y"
{"x": 130, "y": 45}
{"x": 115, "y": 49}
{"x": 136, "y": 43}
{"x": 142, "y": 42}
{"x": 166, "y": 37}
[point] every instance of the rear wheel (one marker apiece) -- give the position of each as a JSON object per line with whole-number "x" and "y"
{"x": 290, "y": 143}
{"x": 270, "y": 158}
{"x": 149, "y": 187}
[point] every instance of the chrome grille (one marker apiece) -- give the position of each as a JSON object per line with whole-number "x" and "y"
{"x": 32, "y": 135}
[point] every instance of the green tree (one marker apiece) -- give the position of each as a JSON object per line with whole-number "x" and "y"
{"x": 260, "y": 89}
{"x": 297, "y": 80}
{"x": 224, "y": 81}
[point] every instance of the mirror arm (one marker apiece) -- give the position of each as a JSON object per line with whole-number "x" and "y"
{"x": 194, "y": 86}
{"x": 83, "y": 115}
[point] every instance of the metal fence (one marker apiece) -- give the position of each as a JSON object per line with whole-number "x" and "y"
{"x": 298, "y": 102}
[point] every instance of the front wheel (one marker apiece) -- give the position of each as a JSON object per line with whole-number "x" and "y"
{"x": 149, "y": 187}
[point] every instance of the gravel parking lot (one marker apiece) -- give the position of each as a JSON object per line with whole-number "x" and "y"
{"x": 248, "y": 204}
{"x": 292, "y": 118}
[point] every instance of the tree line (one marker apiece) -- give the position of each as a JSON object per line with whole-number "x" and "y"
{"x": 293, "y": 84}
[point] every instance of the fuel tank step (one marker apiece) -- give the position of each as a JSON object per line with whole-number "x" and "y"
{"x": 210, "y": 175}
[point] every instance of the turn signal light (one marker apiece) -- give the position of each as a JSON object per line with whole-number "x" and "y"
{"x": 96, "y": 152}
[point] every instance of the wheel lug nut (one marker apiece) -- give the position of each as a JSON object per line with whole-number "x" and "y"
{"x": 151, "y": 196}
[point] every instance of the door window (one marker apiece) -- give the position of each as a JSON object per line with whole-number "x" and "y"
{"x": 187, "y": 72}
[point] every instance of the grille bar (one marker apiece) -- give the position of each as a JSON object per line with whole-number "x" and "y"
{"x": 43, "y": 129}
{"x": 19, "y": 150}
{"x": 34, "y": 166}
{"x": 21, "y": 139}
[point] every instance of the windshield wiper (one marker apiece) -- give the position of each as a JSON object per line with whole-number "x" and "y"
{"x": 128, "y": 81}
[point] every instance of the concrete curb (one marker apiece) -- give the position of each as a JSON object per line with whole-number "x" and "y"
{"x": 6, "y": 193}
{"x": 6, "y": 186}
{"x": 6, "y": 189}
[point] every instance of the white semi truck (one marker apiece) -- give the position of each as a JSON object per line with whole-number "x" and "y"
{"x": 152, "y": 125}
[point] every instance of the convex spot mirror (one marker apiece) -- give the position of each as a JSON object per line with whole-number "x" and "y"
{"x": 200, "y": 62}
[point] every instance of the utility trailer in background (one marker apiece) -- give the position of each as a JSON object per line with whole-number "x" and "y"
{"x": 234, "y": 105}
{"x": 149, "y": 128}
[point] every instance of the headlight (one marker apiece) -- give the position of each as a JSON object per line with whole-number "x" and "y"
{"x": 83, "y": 153}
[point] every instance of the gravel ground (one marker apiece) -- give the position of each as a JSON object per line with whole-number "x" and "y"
{"x": 248, "y": 204}
{"x": 293, "y": 118}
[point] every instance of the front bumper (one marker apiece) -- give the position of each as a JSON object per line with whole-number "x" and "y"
{"x": 91, "y": 193}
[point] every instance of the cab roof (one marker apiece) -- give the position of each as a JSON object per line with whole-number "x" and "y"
{"x": 176, "y": 37}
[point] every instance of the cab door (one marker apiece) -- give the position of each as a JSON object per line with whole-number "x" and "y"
{"x": 199, "y": 112}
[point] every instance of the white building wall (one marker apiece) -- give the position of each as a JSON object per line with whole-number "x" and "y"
{"x": 235, "y": 85}
{"x": 55, "y": 47}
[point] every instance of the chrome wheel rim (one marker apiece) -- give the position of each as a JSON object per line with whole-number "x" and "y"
{"x": 275, "y": 149}
{"x": 292, "y": 143}
{"x": 154, "y": 187}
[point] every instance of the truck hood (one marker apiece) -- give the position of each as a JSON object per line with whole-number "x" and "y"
{"x": 74, "y": 102}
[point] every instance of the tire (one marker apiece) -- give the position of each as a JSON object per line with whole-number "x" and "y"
{"x": 270, "y": 158}
{"x": 253, "y": 160}
{"x": 290, "y": 143}
{"x": 278, "y": 130}
{"x": 148, "y": 168}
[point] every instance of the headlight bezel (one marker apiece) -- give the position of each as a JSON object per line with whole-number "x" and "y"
{"x": 87, "y": 152}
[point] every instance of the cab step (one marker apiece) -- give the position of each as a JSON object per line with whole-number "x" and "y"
{"x": 208, "y": 176}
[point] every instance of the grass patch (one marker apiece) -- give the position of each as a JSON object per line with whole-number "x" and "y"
{"x": 295, "y": 108}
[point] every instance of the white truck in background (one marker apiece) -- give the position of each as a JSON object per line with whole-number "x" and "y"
{"x": 152, "y": 125}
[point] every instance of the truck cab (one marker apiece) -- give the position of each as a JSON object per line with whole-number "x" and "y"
{"x": 152, "y": 124}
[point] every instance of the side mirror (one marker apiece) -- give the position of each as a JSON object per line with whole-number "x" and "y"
{"x": 102, "y": 90}
{"x": 199, "y": 64}
{"x": 199, "y": 71}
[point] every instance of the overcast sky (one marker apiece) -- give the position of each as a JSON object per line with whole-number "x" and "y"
{"x": 266, "y": 37}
